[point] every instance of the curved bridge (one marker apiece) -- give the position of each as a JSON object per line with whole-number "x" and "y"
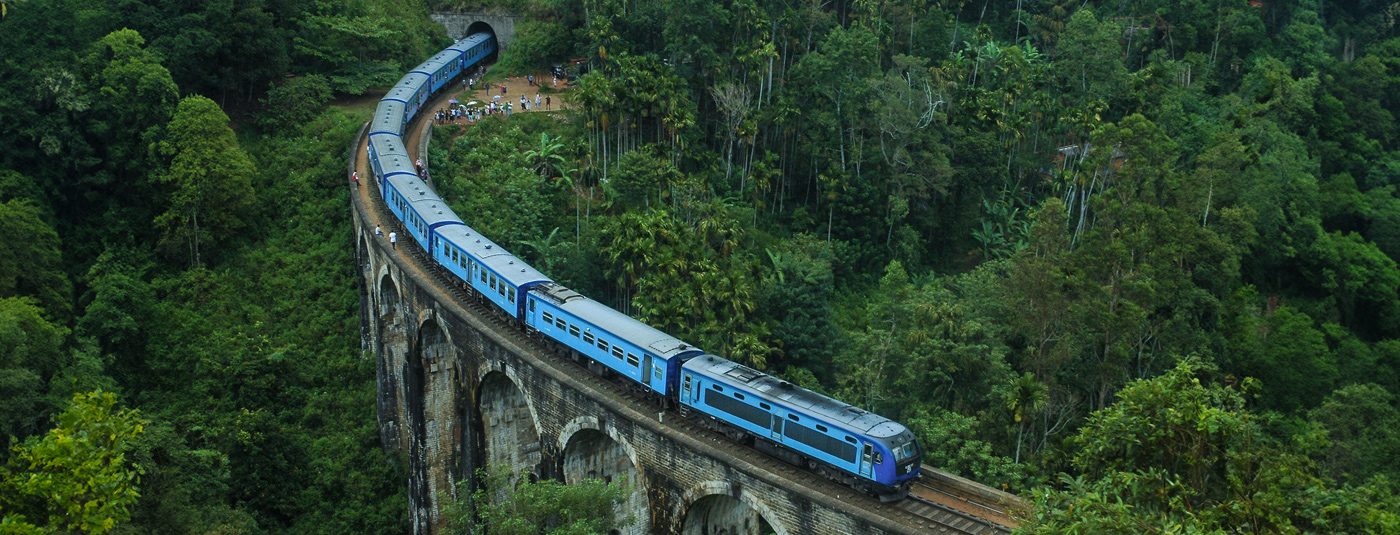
{"x": 460, "y": 390}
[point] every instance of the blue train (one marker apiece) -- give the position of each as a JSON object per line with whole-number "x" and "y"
{"x": 863, "y": 450}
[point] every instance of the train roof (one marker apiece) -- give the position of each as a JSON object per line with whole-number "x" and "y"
{"x": 407, "y": 87}
{"x": 388, "y": 117}
{"x": 493, "y": 256}
{"x": 393, "y": 160}
{"x": 436, "y": 62}
{"x": 414, "y": 190}
{"x": 470, "y": 41}
{"x": 433, "y": 209}
{"x": 618, "y": 324}
{"x": 814, "y": 404}
{"x": 389, "y": 146}
{"x": 514, "y": 270}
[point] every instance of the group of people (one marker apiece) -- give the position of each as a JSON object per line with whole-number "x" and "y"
{"x": 463, "y": 113}
{"x": 457, "y": 113}
{"x": 525, "y": 102}
{"x": 531, "y": 80}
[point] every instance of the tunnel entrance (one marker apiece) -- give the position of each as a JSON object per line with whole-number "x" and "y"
{"x": 512, "y": 436}
{"x": 479, "y": 27}
{"x": 719, "y": 514}
{"x": 591, "y": 454}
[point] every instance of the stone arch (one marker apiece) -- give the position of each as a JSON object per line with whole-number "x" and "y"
{"x": 483, "y": 26}
{"x": 433, "y": 393}
{"x": 717, "y": 507}
{"x": 509, "y": 425}
{"x": 391, "y": 349}
{"x": 420, "y": 499}
{"x": 593, "y": 451}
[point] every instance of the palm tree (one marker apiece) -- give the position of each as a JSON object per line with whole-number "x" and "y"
{"x": 545, "y": 247}
{"x": 1026, "y": 397}
{"x": 565, "y": 180}
{"x": 546, "y": 155}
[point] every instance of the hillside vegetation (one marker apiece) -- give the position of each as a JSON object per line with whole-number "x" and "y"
{"x": 1133, "y": 260}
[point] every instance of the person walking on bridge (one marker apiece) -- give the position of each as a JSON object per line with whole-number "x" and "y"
{"x": 394, "y": 240}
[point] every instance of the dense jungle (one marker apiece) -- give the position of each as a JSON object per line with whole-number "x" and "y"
{"x": 1135, "y": 261}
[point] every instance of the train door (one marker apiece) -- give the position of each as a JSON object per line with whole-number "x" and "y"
{"x": 646, "y": 369}
{"x": 777, "y": 428}
{"x": 685, "y": 388}
{"x": 866, "y": 458}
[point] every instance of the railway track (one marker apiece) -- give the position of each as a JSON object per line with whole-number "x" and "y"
{"x": 956, "y": 513}
{"x": 930, "y": 505}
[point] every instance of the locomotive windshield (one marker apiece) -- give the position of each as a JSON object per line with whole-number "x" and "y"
{"x": 906, "y": 451}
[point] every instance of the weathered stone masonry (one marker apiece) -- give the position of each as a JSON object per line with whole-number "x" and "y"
{"x": 455, "y": 393}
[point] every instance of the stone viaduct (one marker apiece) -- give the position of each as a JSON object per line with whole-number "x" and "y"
{"x": 459, "y": 390}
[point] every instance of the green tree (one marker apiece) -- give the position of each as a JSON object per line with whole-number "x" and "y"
{"x": 31, "y": 263}
{"x": 545, "y": 156}
{"x": 1178, "y": 454}
{"x": 800, "y": 289}
{"x": 77, "y": 476}
{"x": 31, "y": 354}
{"x": 533, "y": 508}
{"x": 295, "y": 102}
{"x": 210, "y": 176}
{"x": 1362, "y": 423}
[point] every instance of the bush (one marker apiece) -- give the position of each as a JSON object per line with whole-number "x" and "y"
{"x": 295, "y": 101}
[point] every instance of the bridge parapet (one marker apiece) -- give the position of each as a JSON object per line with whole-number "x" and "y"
{"x": 459, "y": 390}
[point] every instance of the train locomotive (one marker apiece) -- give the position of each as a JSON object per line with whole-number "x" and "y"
{"x": 863, "y": 450}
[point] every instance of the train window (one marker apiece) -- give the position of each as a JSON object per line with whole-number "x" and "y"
{"x": 573, "y": 329}
{"x": 483, "y": 275}
{"x": 512, "y": 295}
{"x": 548, "y": 318}
{"x": 717, "y": 387}
{"x": 560, "y": 323}
{"x": 617, "y": 352}
{"x": 502, "y": 289}
{"x": 532, "y": 305}
{"x": 879, "y": 459}
{"x": 462, "y": 260}
{"x": 603, "y": 345}
{"x": 851, "y": 440}
{"x": 738, "y": 395}
{"x": 493, "y": 281}
{"x": 588, "y": 338}
{"x": 821, "y": 428}
{"x": 793, "y": 417}
{"x": 764, "y": 406}
{"x": 632, "y": 359}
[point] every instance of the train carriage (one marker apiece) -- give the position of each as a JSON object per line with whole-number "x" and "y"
{"x": 491, "y": 270}
{"x": 873, "y": 451}
{"x": 388, "y": 159}
{"x": 419, "y": 209}
{"x": 388, "y": 118}
{"x": 440, "y": 68}
{"x": 629, "y": 347}
{"x": 862, "y": 449}
{"x": 412, "y": 91}
{"x": 474, "y": 48}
